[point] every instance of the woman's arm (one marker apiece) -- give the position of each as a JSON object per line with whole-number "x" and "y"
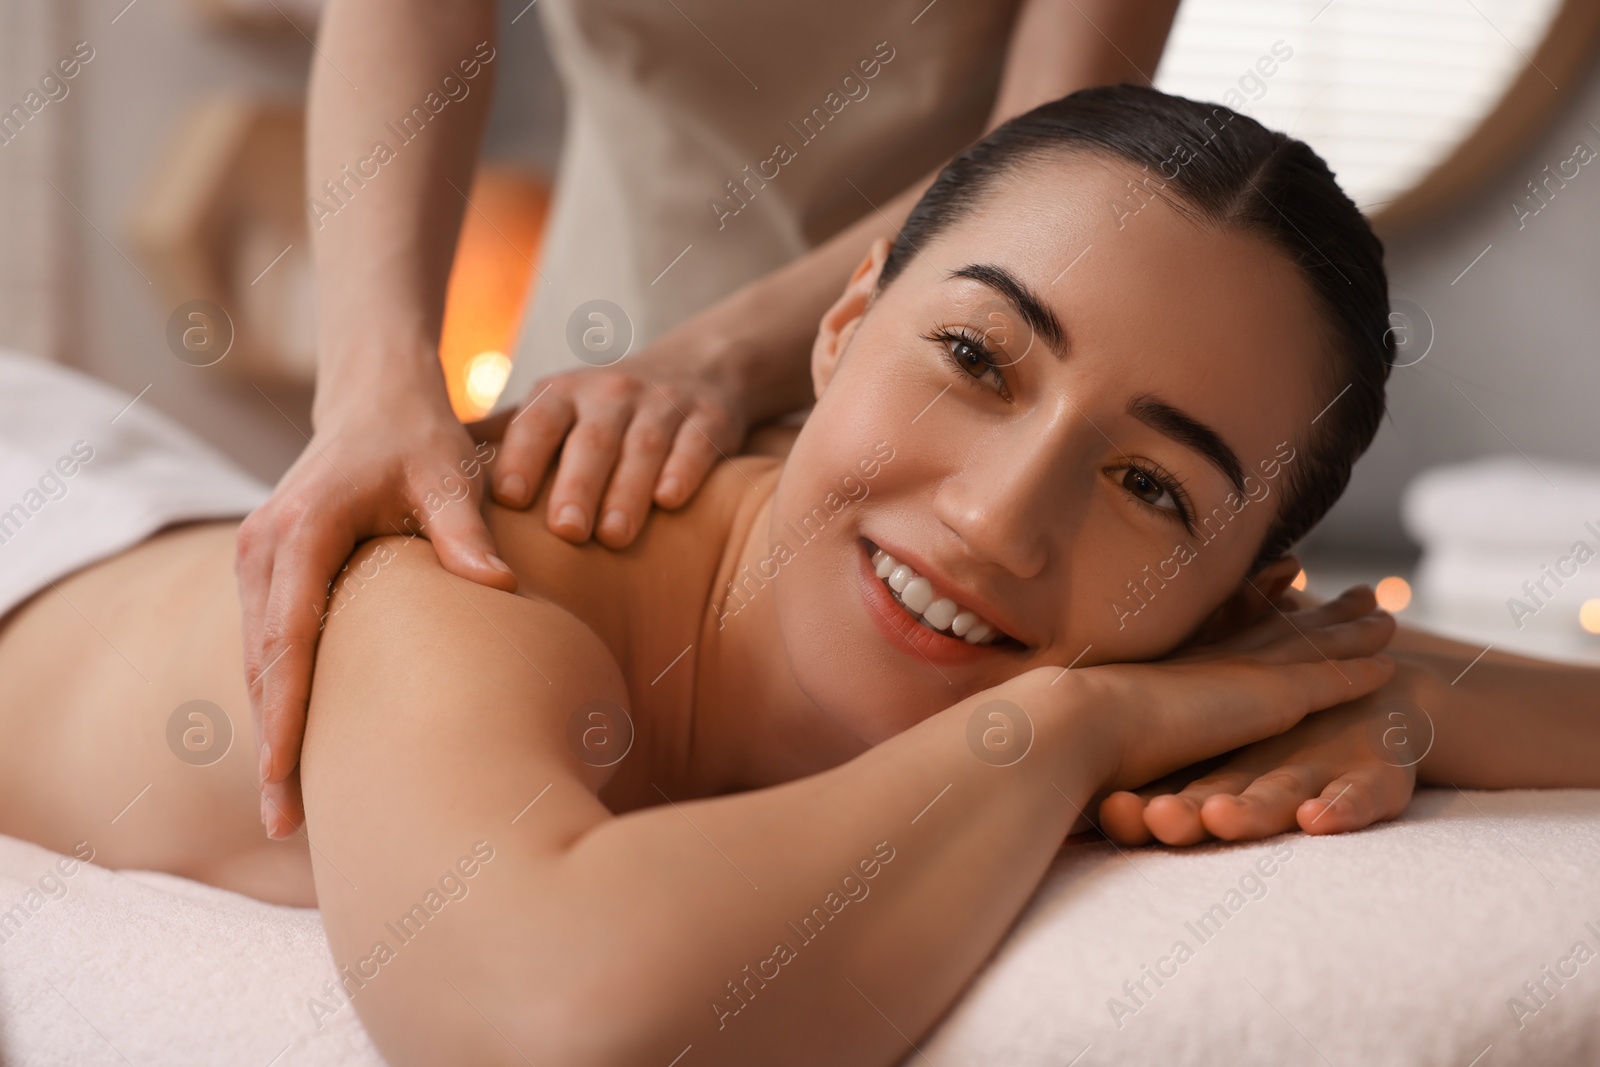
{"x": 752, "y": 345}
{"x": 441, "y": 710}
{"x": 865, "y": 896}
{"x": 1500, "y": 721}
{"x": 1453, "y": 714}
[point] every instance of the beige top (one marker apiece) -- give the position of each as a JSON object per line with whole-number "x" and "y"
{"x": 710, "y": 142}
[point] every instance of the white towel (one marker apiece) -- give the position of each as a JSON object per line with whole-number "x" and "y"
{"x": 105, "y": 967}
{"x": 1504, "y": 501}
{"x": 84, "y": 475}
{"x": 1407, "y": 944}
{"x": 1510, "y": 591}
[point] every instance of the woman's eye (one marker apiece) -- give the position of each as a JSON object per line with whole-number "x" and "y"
{"x": 973, "y": 359}
{"x": 970, "y": 358}
{"x": 1152, "y": 492}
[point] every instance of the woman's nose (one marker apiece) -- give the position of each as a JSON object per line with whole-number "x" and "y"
{"x": 1011, "y": 498}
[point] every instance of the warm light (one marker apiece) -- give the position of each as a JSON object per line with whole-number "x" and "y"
{"x": 1299, "y": 581}
{"x": 486, "y": 376}
{"x": 501, "y": 230}
{"x": 1589, "y": 616}
{"x": 1393, "y": 594}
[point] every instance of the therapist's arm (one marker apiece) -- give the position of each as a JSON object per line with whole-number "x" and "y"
{"x": 750, "y": 348}
{"x": 386, "y": 455}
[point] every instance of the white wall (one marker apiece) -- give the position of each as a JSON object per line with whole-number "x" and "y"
{"x": 156, "y": 60}
{"x": 153, "y": 62}
{"x": 1518, "y": 335}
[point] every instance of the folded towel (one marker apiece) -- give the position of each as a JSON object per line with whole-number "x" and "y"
{"x": 84, "y": 475}
{"x": 1515, "y": 587}
{"x": 1504, "y": 501}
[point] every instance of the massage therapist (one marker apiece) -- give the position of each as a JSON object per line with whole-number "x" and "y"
{"x": 724, "y": 167}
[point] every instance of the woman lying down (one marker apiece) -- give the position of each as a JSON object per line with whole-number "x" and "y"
{"x": 770, "y": 785}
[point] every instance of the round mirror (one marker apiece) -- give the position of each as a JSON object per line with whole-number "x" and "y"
{"x": 1412, "y": 104}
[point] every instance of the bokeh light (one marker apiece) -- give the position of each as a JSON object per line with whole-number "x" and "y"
{"x": 1393, "y": 594}
{"x": 1589, "y": 615}
{"x": 501, "y": 233}
{"x": 486, "y": 375}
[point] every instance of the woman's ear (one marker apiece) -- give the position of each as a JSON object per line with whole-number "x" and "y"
{"x": 1252, "y": 599}
{"x": 839, "y": 322}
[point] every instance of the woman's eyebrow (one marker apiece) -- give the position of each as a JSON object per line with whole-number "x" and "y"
{"x": 1153, "y": 412}
{"x": 1190, "y": 432}
{"x": 1034, "y": 312}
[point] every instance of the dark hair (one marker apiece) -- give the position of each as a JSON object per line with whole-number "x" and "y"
{"x": 1228, "y": 169}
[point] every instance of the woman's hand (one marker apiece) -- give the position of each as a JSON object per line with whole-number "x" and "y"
{"x": 646, "y": 431}
{"x": 1344, "y": 769}
{"x": 1145, "y": 720}
{"x": 397, "y": 463}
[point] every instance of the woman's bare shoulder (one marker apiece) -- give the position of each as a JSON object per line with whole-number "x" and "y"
{"x": 665, "y": 575}
{"x": 402, "y": 632}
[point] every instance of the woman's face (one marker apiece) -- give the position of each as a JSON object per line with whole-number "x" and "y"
{"x": 1094, "y": 494}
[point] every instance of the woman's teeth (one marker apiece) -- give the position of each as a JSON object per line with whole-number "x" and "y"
{"x": 915, "y": 593}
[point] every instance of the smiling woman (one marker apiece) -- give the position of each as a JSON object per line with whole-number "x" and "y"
{"x": 1028, "y": 485}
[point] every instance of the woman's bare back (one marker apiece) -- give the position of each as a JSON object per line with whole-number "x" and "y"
{"x": 128, "y": 723}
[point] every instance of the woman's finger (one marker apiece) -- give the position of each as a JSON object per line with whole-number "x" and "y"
{"x": 1192, "y": 711}
{"x": 1275, "y": 624}
{"x": 1352, "y": 602}
{"x": 627, "y": 498}
{"x": 529, "y": 443}
{"x": 1328, "y": 683}
{"x": 1348, "y": 639}
{"x": 1266, "y": 806}
{"x": 1122, "y": 819}
{"x": 1175, "y": 818}
{"x": 588, "y": 456}
{"x": 702, "y": 439}
{"x": 1355, "y": 800}
{"x": 1245, "y": 704}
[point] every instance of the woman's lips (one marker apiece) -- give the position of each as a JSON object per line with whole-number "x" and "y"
{"x": 903, "y": 629}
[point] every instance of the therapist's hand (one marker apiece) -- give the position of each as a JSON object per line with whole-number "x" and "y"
{"x": 397, "y": 462}
{"x": 642, "y": 431}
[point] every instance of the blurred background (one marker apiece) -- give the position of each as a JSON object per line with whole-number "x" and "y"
{"x": 167, "y": 169}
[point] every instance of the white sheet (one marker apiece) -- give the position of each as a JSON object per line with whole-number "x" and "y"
{"x": 132, "y": 471}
